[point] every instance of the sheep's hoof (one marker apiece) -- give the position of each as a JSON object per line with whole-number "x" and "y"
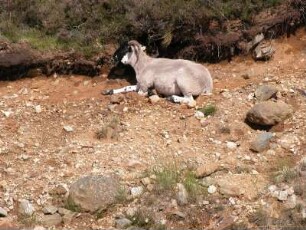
{"x": 108, "y": 92}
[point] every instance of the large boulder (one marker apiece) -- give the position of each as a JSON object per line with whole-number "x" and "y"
{"x": 269, "y": 113}
{"x": 93, "y": 193}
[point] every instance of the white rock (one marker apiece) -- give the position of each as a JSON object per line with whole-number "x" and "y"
{"x": 26, "y": 208}
{"x": 182, "y": 195}
{"x": 232, "y": 201}
{"x": 154, "y": 99}
{"x": 304, "y": 213}
{"x": 39, "y": 228}
{"x": 231, "y": 145}
{"x": 272, "y": 188}
{"x": 7, "y": 113}
{"x": 283, "y": 195}
{"x": 38, "y": 109}
{"x": 251, "y": 96}
{"x": 136, "y": 191}
{"x": 68, "y": 128}
{"x": 212, "y": 189}
{"x": 199, "y": 115}
{"x": 3, "y": 212}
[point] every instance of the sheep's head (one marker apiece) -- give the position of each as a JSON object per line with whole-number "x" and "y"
{"x": 128, "y": 52}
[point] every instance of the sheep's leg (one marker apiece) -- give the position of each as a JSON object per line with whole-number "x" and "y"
{"x": 126, "y": 89}
{"x": 183, "y": 100}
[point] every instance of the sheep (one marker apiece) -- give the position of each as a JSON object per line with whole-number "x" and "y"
{"x": 177, "y": 79}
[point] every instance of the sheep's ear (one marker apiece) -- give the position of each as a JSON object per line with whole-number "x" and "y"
{"x": 143, "y": 48}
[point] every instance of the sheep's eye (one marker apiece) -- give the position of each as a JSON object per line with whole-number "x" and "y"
{"x": 130, "y": 49}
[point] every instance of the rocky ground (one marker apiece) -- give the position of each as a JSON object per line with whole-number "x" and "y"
{"x": 154, "y": 164}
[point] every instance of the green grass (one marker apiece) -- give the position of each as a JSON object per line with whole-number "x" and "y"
{"x": 70, "y": 205}
{"x": 166, "y": 178}
{"x": 121, "y": 196}
{"x": 208, "y": 110}
{"x": 192, "y": 185}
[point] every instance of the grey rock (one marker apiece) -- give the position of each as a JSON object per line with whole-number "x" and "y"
{"x": 282, "y": 196}
{"x": 182, "y": 195}
{"x": 265, "y": 92}
{"x": 49, "y": 209}
{"x": 3, "y": 212}
{"x": 92, "y": 193}
{"x": 51, "y": 220}
{"x": 264, "y": 51}
{"x": 123, "y": 223}
{"x": 269, "y": 113}
{"x": 25, "y": 208}
{"x": 256, "y": 40}
{"x": 261, "y": 142}
{"x": 291, "y": 202}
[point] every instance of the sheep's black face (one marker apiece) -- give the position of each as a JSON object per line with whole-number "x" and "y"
{"x": 121, "y": 52}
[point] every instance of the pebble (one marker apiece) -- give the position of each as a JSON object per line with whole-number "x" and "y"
{"x": 68, "y": 128}
{"x": 261, "y": 142}
{"x": 7, "y": 113}
{"x": 26, "y": 208}
{"x": 154, "y": 99}
{"x": 146, "y": 181}
{"x": 136, "y": 191}
{"x": 282, "y": 196}
{"x": 39, "y": 228}
{"x": 212, "y": 189}
{"x": 199, "y": 115}
{"x": 3, "y": 212}
{"x": 272, "y": 188}
{"x": 122, "y": 223}
{"x": 182, "y": 195}
{"x": 38, "y": 109}
{"x": 231, "y": 145}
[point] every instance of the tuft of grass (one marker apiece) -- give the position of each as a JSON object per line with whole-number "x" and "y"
{"x": 28, "y": 221}
{"x": 259, "y": 217}
{"x": 286, "y": 174}
{"x": 110, "y": 130}
{"x": 166, "y": 178}
{"x": 192, "y": 185}
{"x": 121, "y": 196}
{"x": 208, "y": 110}
{"x": 143, "y": 219}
